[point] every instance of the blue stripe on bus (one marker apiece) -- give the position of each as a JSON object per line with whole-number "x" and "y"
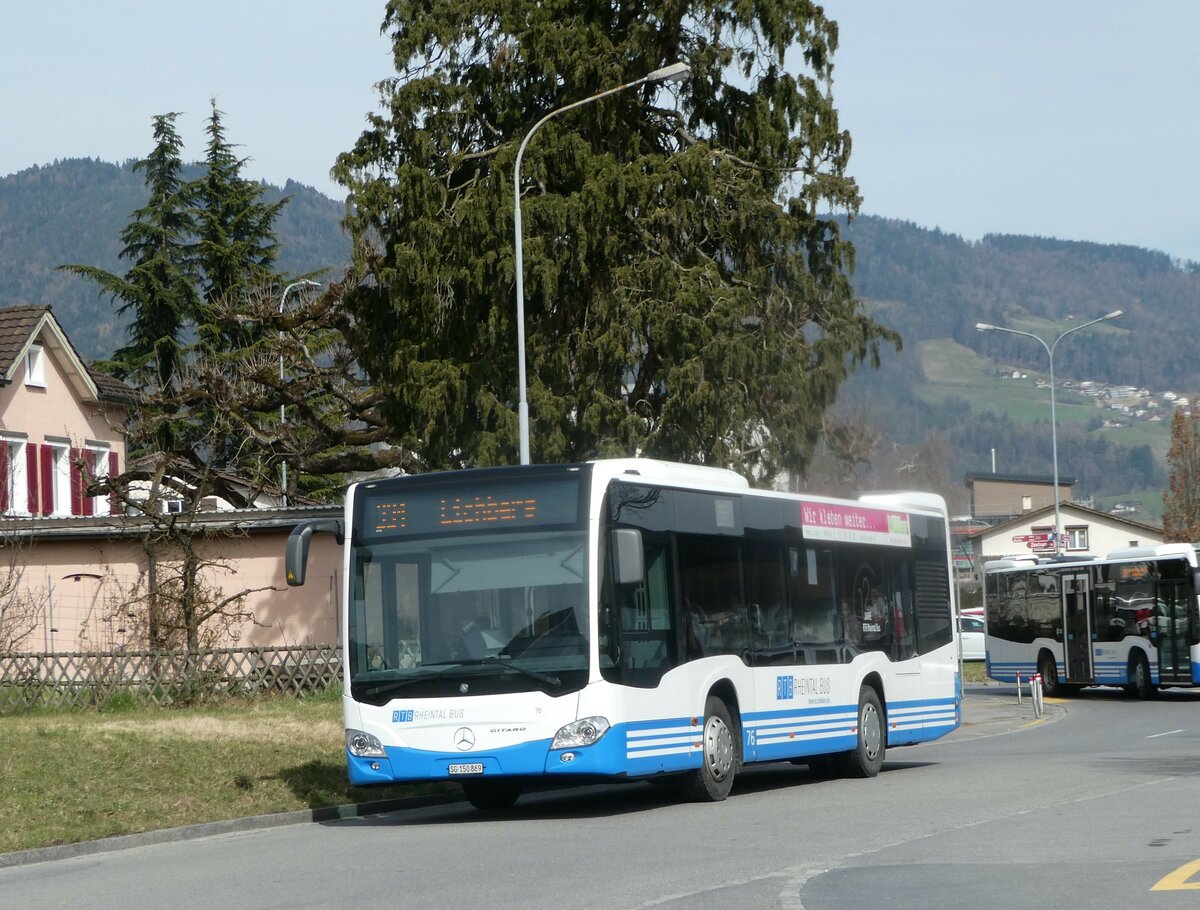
{"x": 1104, "y": 672}
{"x": 644, "y": 748}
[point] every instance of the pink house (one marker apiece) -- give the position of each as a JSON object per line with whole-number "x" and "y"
{"x": 75, "y": 575}
{"x": 59, "y": 420}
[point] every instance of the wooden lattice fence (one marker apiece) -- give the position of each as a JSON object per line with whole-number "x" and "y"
{"x": 164, "y": 677}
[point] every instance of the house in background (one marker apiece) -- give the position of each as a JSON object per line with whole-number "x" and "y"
{"x": 1086, "y": 532}
{"x": 997, "y": 498}
{"x": 59, "y": 420}
{"x": 77, "y": 567}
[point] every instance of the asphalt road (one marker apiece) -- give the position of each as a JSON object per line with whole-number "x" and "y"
{"x": 1092, "y": 806}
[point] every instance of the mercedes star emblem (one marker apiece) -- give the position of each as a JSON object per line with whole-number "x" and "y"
{"x": 464, "y": 739}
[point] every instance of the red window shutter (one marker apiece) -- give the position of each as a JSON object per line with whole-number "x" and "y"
{"x": 113, "y": 502}
{"x": 88, "y": 472}
{"x": 5, "y": 477}
{"x": 76, "y": 470}
{"x": 47, "y": 483}
{"x": 32, "y": 473}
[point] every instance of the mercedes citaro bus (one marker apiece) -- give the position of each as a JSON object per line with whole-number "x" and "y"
{"x": 634, "y": 619}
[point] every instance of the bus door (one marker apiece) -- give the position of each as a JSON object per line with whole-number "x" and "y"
{"x": 1174, "y": 628}
{"x": 1077, "y": 627}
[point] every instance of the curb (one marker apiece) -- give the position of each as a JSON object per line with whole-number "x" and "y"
{"x": 228, "y": 826}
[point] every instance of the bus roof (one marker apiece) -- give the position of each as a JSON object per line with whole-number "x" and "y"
{"x": 1184, "y": 551}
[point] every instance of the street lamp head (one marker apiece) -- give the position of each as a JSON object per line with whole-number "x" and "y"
{"x": 1115, "y": 314}
{"x": 676, "y": 72}
{"x": 984, "y": 327}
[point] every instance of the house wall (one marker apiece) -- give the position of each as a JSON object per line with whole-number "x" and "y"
{"x": 1103, "y": 536}
{"x": 56, "y": 411}
{"x": 1003, "y": 499}
{"x": 89, "y": 594}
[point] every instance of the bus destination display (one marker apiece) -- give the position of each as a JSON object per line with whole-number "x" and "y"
{"x": 470, "y": 508}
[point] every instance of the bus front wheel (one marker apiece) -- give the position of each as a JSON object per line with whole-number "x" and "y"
{"x": 866, "y": 759}
{"x": 719, "y": 758}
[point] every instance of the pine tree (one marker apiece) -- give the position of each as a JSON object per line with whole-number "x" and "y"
{"x": 1181, "y": 499}
{"x": 160, "y": 287}
{"x": 685, "y": 297}
{"x": 236, "y": 245}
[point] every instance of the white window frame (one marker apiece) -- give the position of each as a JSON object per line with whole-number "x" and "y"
{"x": 98, "y": 457}
{"x": 62, "y": 477}
{"x": 1072, "y": 535}
{"x": 35, "y": 366}
{"x": 18, "y": 474}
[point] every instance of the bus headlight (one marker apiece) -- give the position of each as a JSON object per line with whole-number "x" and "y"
{"x": 364, "y": 745}
{"x": 581, "y": 732}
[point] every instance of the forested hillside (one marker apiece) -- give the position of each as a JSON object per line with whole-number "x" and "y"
{"x": 935, "y": 287}
{"x": 73, "y": 212}
{"x": 931, "y": 286}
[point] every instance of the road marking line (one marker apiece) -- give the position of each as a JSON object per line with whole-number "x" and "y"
{"x": 1178, "y": 880}
{"x": 1168, "y": 733}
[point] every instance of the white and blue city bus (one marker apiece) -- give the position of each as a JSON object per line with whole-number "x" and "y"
{"x": 1131, "y": 618}
{"x": 635, "y": 619}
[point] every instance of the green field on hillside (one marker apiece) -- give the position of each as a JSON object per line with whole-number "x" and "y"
{"x": 954, "y": 371}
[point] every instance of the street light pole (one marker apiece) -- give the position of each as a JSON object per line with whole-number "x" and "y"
{"x": 676, "y": 72}
{"x": 282, "y": 414}
{"x": 988, "y": 327}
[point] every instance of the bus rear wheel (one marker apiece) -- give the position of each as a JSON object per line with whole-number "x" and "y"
{"x": 1048, "y": 670}
{"x": 1140, "y": 685}
{"x": 491, "y": 795}
{"x": 866, "y": 758}
{"x": 719, "y": 757}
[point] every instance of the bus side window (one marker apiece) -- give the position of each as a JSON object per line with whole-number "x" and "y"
{"x": 710, "y": 574}
{"x": 645, "y": 627}
{"x": 816, "y": 624}
{"x": 766, "y": 588}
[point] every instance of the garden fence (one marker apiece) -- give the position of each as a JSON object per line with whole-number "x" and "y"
{"x": 164, "y": 677}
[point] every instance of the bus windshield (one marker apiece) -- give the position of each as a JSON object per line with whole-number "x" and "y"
{"x": 469, "y": 614}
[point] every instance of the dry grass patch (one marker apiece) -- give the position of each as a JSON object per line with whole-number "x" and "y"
{"x": 68, "y": 777}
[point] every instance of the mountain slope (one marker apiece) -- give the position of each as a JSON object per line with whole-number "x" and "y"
{"x": 945, "y": 393}
{"x": 73, "y": 212}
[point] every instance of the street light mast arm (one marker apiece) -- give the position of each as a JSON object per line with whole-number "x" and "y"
{"x": 988, "y": 327}
{"x": 675, "y": 72}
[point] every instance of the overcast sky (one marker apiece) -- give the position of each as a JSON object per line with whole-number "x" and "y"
{"x": 1075, "y": 119}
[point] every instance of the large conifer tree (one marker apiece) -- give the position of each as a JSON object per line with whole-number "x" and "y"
{"x": 685, "y": 294}
{"x": 236, "y": 245}
{"x": 159, "y": 289}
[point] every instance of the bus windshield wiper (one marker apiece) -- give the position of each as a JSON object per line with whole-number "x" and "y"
{"x": 508, "y": 663}
{"x": 393, "y": 685}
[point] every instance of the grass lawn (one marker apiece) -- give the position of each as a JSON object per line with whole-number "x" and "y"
{"x": 954, "y": 370}
{"x": 76, "y": 776}
{"x": 973, "y": 671}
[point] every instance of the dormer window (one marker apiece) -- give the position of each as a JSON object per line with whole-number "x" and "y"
{"x": 35, "y": 366}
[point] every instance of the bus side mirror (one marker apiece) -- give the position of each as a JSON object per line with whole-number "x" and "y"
{"x": 295, "y": 554}
{"x": 627, "y": 556}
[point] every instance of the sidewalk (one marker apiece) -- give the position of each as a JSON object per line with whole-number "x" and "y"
{"x": 992, "y": 709}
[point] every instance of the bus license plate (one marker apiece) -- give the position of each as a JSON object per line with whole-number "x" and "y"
{"x": 474, "y": 768}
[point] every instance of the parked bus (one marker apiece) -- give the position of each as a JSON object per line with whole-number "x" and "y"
{"x": 633, "y": 618}
{"x": 1128, "y": 619}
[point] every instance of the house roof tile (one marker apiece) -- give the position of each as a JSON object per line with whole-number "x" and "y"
{"x": 19, "y": 322}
